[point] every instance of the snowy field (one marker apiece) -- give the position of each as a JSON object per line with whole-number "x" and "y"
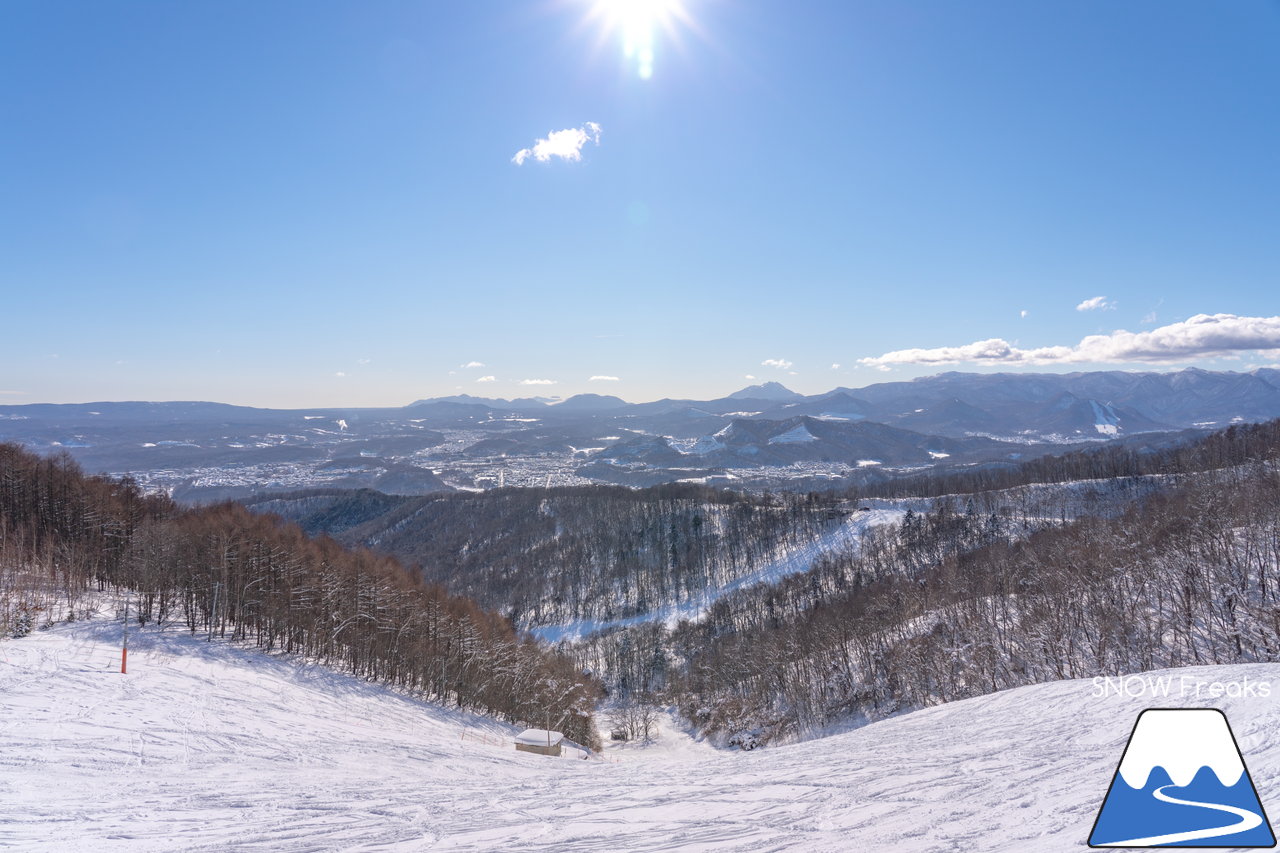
{"x": 210, "y": 747}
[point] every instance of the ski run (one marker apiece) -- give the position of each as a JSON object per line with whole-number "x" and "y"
{"x": 215, "y": 747}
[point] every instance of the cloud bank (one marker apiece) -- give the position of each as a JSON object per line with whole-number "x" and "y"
{"x": 603, "y": 379}
{"x": 565, "y": 144}
{"x": 1201, "y": 336}
{"x": 780, "y": 363}
{"x": 537, "y": 382}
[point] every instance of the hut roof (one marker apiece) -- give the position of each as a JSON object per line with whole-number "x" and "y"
{"x": 539, "y": 737}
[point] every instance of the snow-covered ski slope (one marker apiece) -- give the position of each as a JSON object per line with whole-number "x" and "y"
{"x": 205, "y": 747}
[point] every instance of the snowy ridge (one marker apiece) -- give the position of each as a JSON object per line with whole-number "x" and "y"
{"x": 1181, "y": 742}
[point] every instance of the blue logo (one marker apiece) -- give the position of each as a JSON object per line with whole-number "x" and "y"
{"x": 1182, "y": 783}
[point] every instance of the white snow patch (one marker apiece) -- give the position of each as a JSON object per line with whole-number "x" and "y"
{"x": 796, "y": 435}
{"x": 698, "y": 447}
{"x": 539, "y": 737}
{"x": 1106, "y": 421}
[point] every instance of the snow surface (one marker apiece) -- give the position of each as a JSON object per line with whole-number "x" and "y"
{"x": 210, "y": 747}
{"x": 206, "y": 747}
{"x": 1106, "y": 421}
{"x": 539, "y": 737}
{"x": 795, "y": 435}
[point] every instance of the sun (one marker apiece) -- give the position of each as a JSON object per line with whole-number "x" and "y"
{"x": 637, "y": 21}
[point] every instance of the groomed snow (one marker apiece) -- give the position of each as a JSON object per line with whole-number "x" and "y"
{"x": 211, "y": 747}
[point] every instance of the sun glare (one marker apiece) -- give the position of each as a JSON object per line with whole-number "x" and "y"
{"x": 637, "y": 21}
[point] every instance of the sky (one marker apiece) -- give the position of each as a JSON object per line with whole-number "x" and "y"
{"x": 367, "y": 203}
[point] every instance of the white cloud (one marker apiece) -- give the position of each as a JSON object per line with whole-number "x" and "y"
{"x": 1201, "y": 336}
{"x": 487, "y": 379}
{"x": 835, "y": 366}
{"x": 1149, "y": 318}
{"x": 1023, "y": 313}
{"x": 1096, "y": 303}
{"x": 604, "y": 379}
{"x": 339, "y": 374}
{"x": 565, "y": 144}
{"x": 780, "y": 363}
{"x": 364, "y": 361}
{"x": 748, "y": 376}
{"x": 471, "y": 364}
{"x": 537, "y": 382}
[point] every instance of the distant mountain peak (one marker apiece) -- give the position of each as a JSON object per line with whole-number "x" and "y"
{"x": 766, "y": 391}
{"x": 491, "y": 402}
{"x": 591, "y": 402}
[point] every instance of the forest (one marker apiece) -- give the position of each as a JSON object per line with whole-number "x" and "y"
{"x": 231, "y": 574}
{"x": 549, "y": 556}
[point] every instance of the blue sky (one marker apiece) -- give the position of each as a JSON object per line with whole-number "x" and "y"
{"x": 315, "y": 203}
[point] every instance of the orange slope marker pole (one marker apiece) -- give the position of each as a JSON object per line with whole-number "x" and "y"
{"x": 124, "y": 649}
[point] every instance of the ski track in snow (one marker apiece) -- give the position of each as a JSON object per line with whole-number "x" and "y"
{"x": 215, "y": 747}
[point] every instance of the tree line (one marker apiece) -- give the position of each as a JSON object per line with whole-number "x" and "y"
{"x": 551, "y": 556}
{"x": 228, "y": 572}
{"x": 1134, "y": 457}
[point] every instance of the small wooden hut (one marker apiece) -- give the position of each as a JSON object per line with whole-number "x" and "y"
{"x": 540, "y": 741}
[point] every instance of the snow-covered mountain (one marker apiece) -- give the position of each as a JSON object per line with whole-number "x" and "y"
{"x": 757, "y": 441}
{"x": 766, "y": 391}
{"x": 207, "y": 451}
{"x": 212, "y": 747}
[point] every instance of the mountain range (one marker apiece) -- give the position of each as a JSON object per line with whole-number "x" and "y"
{"x": 216, "y": 450}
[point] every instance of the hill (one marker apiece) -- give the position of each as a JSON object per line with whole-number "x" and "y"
{"x": 213, "y": 747}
